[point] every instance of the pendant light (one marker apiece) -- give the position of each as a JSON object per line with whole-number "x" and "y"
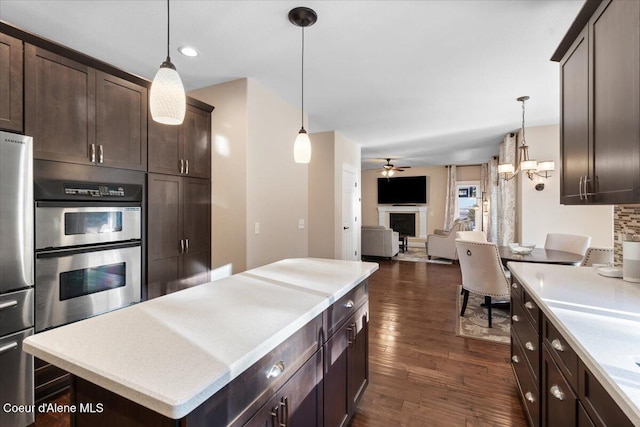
{"x": 167, "y": 100}
{"x": 302, "y": 17}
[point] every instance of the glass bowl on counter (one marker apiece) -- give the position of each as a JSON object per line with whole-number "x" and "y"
{"x": 522, "y": 248}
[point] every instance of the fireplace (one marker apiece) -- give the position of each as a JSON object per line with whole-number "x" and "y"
{"x": 419, "y": 214}
{"x": 403, "y": 223}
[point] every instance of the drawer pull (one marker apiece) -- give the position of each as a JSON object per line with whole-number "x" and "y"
{"x": 514, "y": 285}
{"x": 556, "y": 344}
{"x": 8, "y": 304}
{"x": 556, "y": 392}
{"x": 515, "y": 318}
{"x": 276, "y": 370}
{"x": 349, "y": 304}
{"x": 515, "y": 359}
{"x": 529, "y": 396}
{"x": 9, "y": 347}
{"x": 529, "y": 305}
{"x": 529, "y": 346}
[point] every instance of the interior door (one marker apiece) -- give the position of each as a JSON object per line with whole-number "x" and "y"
{"x": 349, "y": 215}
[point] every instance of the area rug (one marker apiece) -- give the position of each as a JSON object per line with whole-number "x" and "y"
{"x": 417, "y": 255}
{"x": 474, "y": 323}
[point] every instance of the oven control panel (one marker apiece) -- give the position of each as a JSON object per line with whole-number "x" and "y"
{"x": 94, "y": 190}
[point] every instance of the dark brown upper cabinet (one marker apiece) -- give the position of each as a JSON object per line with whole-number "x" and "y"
{"x": 11, "y": 66}
{"x": 600, "y": 103}
{"x": 79, "y": 115}
{"x": 183, "y": 149}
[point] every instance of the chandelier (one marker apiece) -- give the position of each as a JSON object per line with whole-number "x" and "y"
{"x": 530, "y": 168}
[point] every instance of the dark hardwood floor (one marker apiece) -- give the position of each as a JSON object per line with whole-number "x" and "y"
{"x": 421, "y": 373}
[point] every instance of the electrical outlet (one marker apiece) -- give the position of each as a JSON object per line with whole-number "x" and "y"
{"x": 256, "y": 228}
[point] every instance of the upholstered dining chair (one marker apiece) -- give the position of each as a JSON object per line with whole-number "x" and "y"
{"x": 474, "y": 236}
{"x": 597, "y": 256}
{"x": 573, "y": 243}
{"x": 482, "y": 272}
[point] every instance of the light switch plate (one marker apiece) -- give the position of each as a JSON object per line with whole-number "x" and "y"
{"x": 256, "y": 228}
{"x": 301, "y": 224}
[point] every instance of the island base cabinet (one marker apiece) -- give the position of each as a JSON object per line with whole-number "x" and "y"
{"x": 296, "y": 403}
{"x": 559, "y": 403}
{"x": 346, "y": 372}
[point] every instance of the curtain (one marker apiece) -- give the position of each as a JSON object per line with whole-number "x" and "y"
{"x": 507, "y": 195}
{"x": 492, "y": 197}
{"x": 451, "y": 203}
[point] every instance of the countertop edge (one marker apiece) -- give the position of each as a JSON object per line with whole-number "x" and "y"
{"x": 629, "y": 408}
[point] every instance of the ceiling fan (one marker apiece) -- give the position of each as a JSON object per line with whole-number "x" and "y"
{"x": 389, "y": 169}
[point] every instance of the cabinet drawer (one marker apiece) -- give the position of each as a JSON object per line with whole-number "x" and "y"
{"x": 598, "y": 403}
{"x": 296, "y": 403}
{"x": 562, "y": 353}
{"x": 558, "y": 399}
{"x": 345, "y": 307}
{"x": 16, "y": 311}
{"x": 531, "y": 310}
{"x": 527, "y": 383}
{"x": 526, "y": 334}
{"x": 239, "y": 399}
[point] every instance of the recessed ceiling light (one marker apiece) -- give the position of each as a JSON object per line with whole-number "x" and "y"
{"x": 188, "y": 51}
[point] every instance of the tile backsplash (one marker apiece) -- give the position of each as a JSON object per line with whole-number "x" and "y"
{"x": 626, "y": 219}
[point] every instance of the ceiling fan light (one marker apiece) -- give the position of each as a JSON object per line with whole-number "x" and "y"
{"x": 302, "y": 147}
{"x": 391, "y": 172}
{"x": 167, "y": 99}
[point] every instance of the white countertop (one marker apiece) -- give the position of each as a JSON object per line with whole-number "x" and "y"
{"x": 172, "y": 353}
{"x": 599, "y": 317}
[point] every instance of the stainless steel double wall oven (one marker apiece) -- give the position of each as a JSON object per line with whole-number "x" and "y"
{"x": 88, "y": 256}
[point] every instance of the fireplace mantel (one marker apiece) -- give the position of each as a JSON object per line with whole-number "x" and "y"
{"x": 421, "y": 217}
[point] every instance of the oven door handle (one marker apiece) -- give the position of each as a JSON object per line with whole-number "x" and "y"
{"x": 62, "y": 252}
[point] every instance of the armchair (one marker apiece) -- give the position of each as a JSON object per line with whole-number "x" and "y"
{"x": 442, "y": 243}
{"x": 379, "y": 241}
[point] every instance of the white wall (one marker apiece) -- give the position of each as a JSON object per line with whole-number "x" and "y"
{"x": 254, "y": 178}
{"x": 228, "y": 175}
{"x": 540, "y": 212}
{"x": 331, "y": 151}
{"x": 277, "y": 187}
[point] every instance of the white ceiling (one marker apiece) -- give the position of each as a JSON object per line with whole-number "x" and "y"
{"x": 431, "y": 82}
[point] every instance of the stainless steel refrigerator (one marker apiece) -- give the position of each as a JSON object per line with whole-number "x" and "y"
{"x": 16, "y": 277}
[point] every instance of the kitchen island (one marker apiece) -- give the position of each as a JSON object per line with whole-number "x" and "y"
{"x": 575, "y": 345}
{"x": 217, "y": 353}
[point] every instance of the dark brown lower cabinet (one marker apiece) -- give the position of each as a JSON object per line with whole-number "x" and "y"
{"x": 346, "y": 372}
{"x": 179, "y": 233}
{"x": 49, "y": 380}
{"x": 296, "y": 403}
{"x": 559, "y": 402}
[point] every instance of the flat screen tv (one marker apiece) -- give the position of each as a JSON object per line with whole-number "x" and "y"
{"x": 402, "y": 190}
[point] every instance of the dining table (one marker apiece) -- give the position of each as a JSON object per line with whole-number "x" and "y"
{"x": 540, "y": 255}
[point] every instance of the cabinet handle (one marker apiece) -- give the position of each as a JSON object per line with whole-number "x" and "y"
{"x": 529, "y": 305}
{"x": 8, "y": 304}
{"x": 556, "y": 392}
{"x": 276, "y": 370}
{"x": 275, "y": 416}
{"x": 9, "y": 347}
{"x": 514, "y": 285}
{"x": 529, "y": 397}
{"x": 515, "y": 318}
{"x": 529, "y": 346}
{"x": 186, "y": 245}
{"x": 349, "y": 338}
{"x": 284, "y": 402}
{"x": 92, "y": 155}
{"x": 181, "y": 165}
{"x": 515, "y": 359}
{"x": 349, "y": 304}
{"x": 580, "y": 187}
{"x": 100, "y": 154}
{"x": 181, "y": 246}
{"x": 557, "y": 345}
{"x": 186, "y": 167}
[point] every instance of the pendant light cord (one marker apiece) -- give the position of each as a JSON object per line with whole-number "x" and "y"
{"x": 168, "y": 22}
{"x": 302, "y": 114}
